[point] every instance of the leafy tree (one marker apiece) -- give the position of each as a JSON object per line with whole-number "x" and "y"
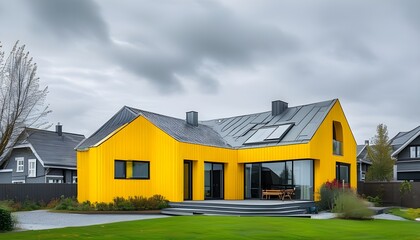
{"x": 380, "y": 155}
{"x": 21, "y": 98}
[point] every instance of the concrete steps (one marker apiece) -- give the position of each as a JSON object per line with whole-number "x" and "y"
{"x": 239, "y": 208}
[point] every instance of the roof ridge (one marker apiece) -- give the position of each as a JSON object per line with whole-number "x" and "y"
{"x": 245, "y": 115}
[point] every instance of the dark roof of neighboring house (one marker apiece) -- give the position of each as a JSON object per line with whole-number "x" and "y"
{"x": 52, "y": 149}
{"x": 230, "y": 132}
{"x": 403, "y": 139}
{"x": 362, "y": 154}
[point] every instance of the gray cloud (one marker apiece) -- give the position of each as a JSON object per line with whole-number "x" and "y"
{"x": 215, "y": 34}
{"x": 70, "y": 20}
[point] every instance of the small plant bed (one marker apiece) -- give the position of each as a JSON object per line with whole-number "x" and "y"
{"x": 135, "y": 204}
{"x": 407, "y": 213}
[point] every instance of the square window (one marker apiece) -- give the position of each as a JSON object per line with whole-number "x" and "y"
{"x": 120, "y": 169}
{"x": 140, "y": 170}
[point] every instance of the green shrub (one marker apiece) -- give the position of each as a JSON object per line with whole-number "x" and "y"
{"x": 122, "y": 204}
{"x": 7, "y": 205}
{"x": 328, "y": 193}
{"x": 53, "y": 203}
{"x": 67, "y": 204}
{"x": 375, "y": 200}
{"x": 139, "y": 202}
{"x": 85, "y": 206}
{"x": 104, "y": 206}
{"x": 349, "y": 206}
{"x": 6, "y": 222}
{"x": 29, "y": 205}
{"x": 158, "y": 202}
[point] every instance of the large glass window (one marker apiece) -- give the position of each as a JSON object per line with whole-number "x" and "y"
{"x": 296, "y": 174}
{"x": 131, "y": 169}
{"x": 303, "y": 179}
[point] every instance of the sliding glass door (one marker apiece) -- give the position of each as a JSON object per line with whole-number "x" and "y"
{"x": 296, "y": 174}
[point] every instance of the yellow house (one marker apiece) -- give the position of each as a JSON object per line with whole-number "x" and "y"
{"x": 142, "y": 153}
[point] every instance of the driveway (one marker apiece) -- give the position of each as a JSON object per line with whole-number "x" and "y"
{"x": 42, "y": 219}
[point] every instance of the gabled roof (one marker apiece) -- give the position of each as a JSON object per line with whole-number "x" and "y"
{"x": 177, "y": 128}
{"x": 50, "y": 148}
{"x": 403, "y": 139}
{"x": 305, "y": 120}
{"x": 230, "y": 132}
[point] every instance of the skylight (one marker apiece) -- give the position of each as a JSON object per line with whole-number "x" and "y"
{"x": 260, "y": 135}
{"x": 279, "y": 132}
{"x": 269, "y": 134}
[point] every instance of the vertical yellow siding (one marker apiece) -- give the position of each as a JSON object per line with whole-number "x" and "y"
{"x": 141, "y": 140}
{"x": 321, "y": 149}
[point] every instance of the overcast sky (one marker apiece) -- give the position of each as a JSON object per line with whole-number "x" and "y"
{"x": 222, "y": 58}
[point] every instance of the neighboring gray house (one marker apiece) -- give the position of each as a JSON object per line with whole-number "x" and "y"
{"x": 41, "y": 156}
{"x": 363, "y": 161}
{"x": 406, "y": 150}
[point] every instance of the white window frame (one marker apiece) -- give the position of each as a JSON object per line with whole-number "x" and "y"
{"x": 20, "y": 164}
{"x": 31, "y": 171}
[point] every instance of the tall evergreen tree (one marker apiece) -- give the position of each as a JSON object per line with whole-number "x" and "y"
{"x": 380, "y": 155}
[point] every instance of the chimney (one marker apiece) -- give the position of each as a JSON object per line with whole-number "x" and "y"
{"x": 277, "y": 107}
{"x": 59, "y": 129}
{"x": 367, "y": 142}
{"x": 192, "y": 118}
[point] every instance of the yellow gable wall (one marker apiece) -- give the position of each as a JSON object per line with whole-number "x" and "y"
{"x": 321, "y": 148}
{"x": 141, "y": 140}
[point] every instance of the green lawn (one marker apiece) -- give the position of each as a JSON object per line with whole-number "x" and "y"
{"x": 209, "y": 227}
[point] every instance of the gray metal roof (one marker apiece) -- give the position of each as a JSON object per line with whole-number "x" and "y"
{"x": 305, "y": 119}
{"x": 54, "y": 150}
{"x": 402, "y": 139}
{"x": 227, "y": 132}
{"x": 177, "y": 128}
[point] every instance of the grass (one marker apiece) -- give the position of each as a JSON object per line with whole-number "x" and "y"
{"x": 410, "y": 213}
{"x": 210, "y": 227}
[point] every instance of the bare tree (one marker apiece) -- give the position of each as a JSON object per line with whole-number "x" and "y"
{"x": 22, "y": 101}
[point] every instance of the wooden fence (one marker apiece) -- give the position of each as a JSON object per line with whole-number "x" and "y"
{"x": 36, "y": 191}
{"x": 390, "y": 194}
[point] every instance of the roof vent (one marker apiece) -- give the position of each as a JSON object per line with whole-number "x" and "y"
{"x": 277, "y": 107}
{"x": 192, "y": 118}
{"x": 59, "y": 129}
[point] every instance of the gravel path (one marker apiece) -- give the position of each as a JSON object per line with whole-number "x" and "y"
{"x": 42, "y": 219}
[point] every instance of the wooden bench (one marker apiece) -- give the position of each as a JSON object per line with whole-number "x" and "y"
{"x": 281, "y": 194}
{"x": 266, "y": 194}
